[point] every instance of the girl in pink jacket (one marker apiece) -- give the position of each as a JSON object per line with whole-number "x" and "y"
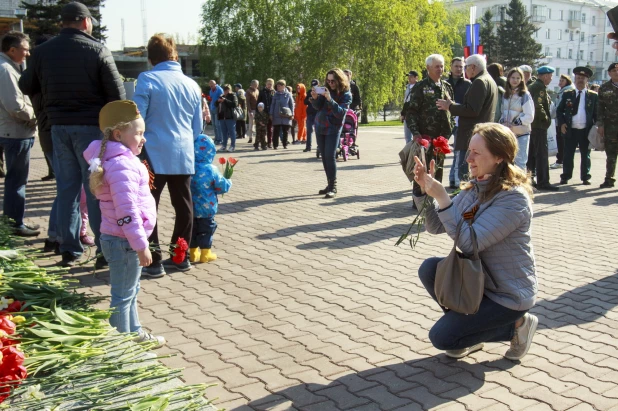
{"x": 128, "y": 213}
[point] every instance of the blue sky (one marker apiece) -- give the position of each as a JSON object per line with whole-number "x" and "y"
{"x": 168, "y": 16}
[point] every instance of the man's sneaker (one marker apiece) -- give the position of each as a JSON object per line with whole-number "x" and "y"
{"x": 231, "y": 149}
{"x": 464, "y": 351}
{"x": 154, "y": 270}
{"x": 68, "y": 260}
{"x": 184, "y": 266}
{"x": 520, "y": 344}
{"x": 25, "y": 231}
{"x": 100, "y": 263}
{"x": 50, "y": 246}
{"x": 143, "y": 337}
{"x": 87, "y": 240}
{"x": 32, "y": 226}
{"x": 555, "y": 166}
{"x": 607, "y": 184}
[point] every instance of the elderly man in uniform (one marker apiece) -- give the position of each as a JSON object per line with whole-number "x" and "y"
{"x": 538, "y": 157}
{"x": 577, "y": 113}
{"x": 412, "y": 80}
{"x": 607, "y": 120}
{"x": 423, "y": 116}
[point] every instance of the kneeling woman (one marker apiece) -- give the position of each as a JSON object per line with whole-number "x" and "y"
{"x": 498, "y": 199}
{"x": 331, "y": 106}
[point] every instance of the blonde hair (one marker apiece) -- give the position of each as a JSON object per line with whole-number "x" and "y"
{"x": 501, "y": 143}
{"x": 96, "y": 177}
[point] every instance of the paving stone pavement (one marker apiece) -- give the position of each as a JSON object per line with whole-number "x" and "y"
{"x": 310, "y": 306}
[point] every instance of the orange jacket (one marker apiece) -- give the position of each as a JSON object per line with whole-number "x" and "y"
{"x": 300, "y": 109}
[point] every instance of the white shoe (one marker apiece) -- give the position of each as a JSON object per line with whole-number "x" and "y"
{"x": 555, "y": 166}
{"x": 231, "y": 149}
{"x": 520, "y": 344}
{"x": 143, "y": 336}
{"x": 464, "y": 351}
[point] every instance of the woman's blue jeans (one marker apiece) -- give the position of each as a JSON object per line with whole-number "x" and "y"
{"x": 228, "y": 130}
{"x": 124, "y": 274}
{"x": 454, "y": 331}
{"x": 327, "y": 144}
{"x": 522, "y": 151}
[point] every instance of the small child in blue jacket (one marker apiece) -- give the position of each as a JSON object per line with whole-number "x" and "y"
{"x": 205, "y": 185}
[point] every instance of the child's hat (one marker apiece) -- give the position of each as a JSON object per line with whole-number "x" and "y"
{"x": 260, "y": 104}
{"x": 119, "y": 111}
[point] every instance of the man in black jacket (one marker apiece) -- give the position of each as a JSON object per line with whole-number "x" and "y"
{"x": 76, "y": 76}
{"x": 311, "y": 113}
{"x": 460, "y": 88}
{"x": 357, "y": 103}
{"x": 266, "y": 97}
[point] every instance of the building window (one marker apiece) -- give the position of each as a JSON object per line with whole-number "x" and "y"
{"x": 547, "y": 52}
{"x": 581, "y": 54}
{"x": 584, "y": 18}
{"x": 561, "y": 14}
{"x": 558, "y": 52}
{"x": 594, "y": 20}
{"x": 536, "y": 34}
{"x": 582, "y": 36}
{"x": 606, "y": 56}
{"x": 570, "y": 53}
{"x": 557, "y": 71}
{"x": 559, "y": 34}
{"x": 569, "y": 72}
{"x": 548, "y": 14}
{"x": 547, "y": 33}
{"x": 571, "y": 35}
{"x": 592, "y": 56}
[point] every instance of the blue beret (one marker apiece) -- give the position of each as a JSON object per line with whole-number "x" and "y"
{"x": 545, "y": 70}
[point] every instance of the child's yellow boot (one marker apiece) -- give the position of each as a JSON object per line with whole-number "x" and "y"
{"x": 194, "y": 254}
{"x": 207, "y": 256}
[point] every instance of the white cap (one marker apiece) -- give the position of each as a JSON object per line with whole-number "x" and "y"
{"x": 260, "y": 104}
{"x": 525, "y": 68}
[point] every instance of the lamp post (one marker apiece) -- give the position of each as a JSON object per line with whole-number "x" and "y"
{"x": 21, "y": 13}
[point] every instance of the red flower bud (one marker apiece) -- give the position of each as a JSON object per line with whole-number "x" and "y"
{"x": 222, "y": 160}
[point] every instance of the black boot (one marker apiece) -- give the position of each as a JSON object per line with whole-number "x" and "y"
{"x": 332, "y": 189}
{"x": 326, "y": 189}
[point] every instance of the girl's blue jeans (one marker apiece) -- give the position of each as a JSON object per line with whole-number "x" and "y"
{"x": 124, "y": 274}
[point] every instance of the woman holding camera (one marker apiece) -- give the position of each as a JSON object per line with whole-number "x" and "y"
{"x": 281, "y": 113}
{"x": 332, "y": 103}
{"x": 496, "y": 204}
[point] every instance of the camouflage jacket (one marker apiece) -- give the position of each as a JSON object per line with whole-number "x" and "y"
{"x": 261, "y": 119}
{"x": 607, "y": 112}
{"x": 422, "y": 114}
{"x": 542, "y": 117}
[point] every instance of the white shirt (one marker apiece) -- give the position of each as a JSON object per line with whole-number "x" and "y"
{"x": 408, "y": 92}
{"x": 579, "y": 119}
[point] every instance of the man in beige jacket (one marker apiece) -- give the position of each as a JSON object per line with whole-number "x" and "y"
{"x": 17, "y": 130}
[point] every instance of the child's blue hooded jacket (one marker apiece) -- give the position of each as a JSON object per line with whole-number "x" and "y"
{"x": 208, "y": 180}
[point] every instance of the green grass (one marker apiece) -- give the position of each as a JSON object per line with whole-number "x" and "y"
{"x": 389, "y": 123}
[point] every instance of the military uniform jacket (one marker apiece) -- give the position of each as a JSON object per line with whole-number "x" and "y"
{"x": 542, "y": 117}
{"x": 422, "y": 114}
{"x": 607, "y": 112}
{"x": 567, "y": 105}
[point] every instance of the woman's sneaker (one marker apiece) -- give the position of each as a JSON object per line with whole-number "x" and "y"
{"x": 143, "y": 336}
{"x": 520, "y": 344}
{"x": 464, "y": 351}
{"x": 154, "y": 270}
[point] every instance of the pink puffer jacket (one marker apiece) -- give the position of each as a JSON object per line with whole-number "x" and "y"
{"x": 128, "y": 209}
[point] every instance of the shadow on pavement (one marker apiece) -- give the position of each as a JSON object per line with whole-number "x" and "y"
{"x": 240, "y": 206}
{"x": 582, "y": 305}
{"x": 428, "y": 383}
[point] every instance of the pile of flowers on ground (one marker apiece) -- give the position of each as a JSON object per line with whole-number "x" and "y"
{"x": 57, "y": 352}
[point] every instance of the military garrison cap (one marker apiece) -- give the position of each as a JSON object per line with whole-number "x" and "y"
{"x": 612, "y": 66}
{"x": 545, "y": 70}
{"x": 116, "y": 112}
{"x": 584, "y": 71}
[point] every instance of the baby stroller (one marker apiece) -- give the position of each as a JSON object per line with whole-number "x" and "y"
{"x": 347, "y": 141}
{"x": 349, "y": 136}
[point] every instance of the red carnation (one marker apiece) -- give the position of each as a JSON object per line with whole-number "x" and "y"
{"x": 441, "y": 146}
{"x": 182, "y": 244}
{"x": 180, "y": 251}
{"x": 423, "y": 142}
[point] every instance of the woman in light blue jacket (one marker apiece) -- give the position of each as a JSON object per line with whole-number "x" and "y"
{"x": 497, "y": 203}
{"x": 171, "y": 105}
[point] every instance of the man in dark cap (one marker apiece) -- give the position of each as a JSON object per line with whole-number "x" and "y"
{"x": 311, "y": 112}
{"x": 412, "y": 79}
{"x": 607, "y": 120}
{"x": 538, "y": 157}
{"x": 76, "y": 76}
{"x": 577, "y": 113}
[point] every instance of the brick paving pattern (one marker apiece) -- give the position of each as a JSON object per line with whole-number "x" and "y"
{"x": 311, "y": 307}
